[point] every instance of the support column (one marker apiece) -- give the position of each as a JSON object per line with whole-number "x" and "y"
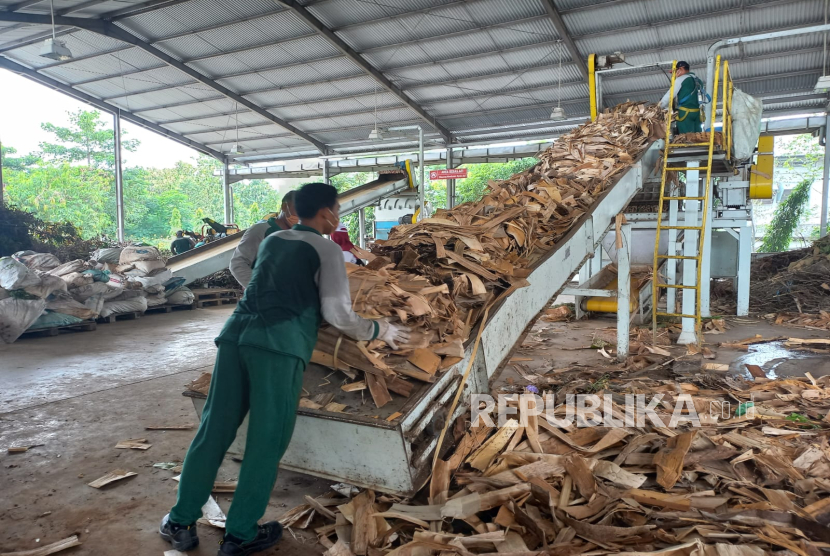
{"x": 119, "y": 184}
{"x": 421, "y": 168}
{"x": 623, "y": 291}
{"x": 450, "y": 182}
{"x": 362, "y": 228}
{"x": 745, "y": 241}
{"x": 326, "y": 171}
{"x": 706, "y": 256}
{"x": 825, "y": 185}
{"x": 227, "y": 193}
{"x": 688, "y": 334}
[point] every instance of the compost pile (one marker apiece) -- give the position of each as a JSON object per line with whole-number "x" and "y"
{"x": 437, "y": 276}
{"x": 793, "y": 282}
{"x": 38, "y": 291}
{"x": 752, "y": 477}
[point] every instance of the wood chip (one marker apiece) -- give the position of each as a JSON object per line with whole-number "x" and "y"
{"x": 111, "y": 477}
{"x": 68, "y": 542}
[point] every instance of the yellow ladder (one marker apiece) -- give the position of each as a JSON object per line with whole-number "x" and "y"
{"x": 656, "y": 285}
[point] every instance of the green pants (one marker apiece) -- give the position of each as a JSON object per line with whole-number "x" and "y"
{"x": 245, "y": 379}
{"x": 691, "y": 124}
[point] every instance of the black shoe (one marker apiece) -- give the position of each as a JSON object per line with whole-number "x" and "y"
{"x": 267, "y": 536}
{"x": 183, "y": 538}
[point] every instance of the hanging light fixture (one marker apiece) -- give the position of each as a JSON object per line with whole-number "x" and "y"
{"x": 53, "y": 48}
{"x": 558, "y": 113}
{"x": 375, "y": 134}
{"x": 236, "y": 148}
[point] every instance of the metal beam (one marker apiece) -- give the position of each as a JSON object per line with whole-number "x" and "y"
{"x": 79, "y": 7}
{"x": 110, "y": 30}
{"x": 21, "y": 5}
{"x": 301, "y": 11}
{"x": 565, "y": 35}
{"x": 220, "y": 26}
{"x": 425, "y": 11}
{"x": 34, "y": 38}
{"x": 612, "y": 3}
{"x": 143, "y": 8}
{"x": 101, "y": 105}
{"x": 246, "y": 49}
{"x": 125, "y": 73}
{"x": 532, "y": 19}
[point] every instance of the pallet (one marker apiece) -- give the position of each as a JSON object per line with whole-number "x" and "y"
{"x": 210, "y": 297}
{"x": 85, "y": 326}
{"x": 169, "y": 308}
{"x": 132, "y": 315}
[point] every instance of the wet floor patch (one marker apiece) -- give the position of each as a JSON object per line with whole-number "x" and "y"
{"x": 779, "y": 361}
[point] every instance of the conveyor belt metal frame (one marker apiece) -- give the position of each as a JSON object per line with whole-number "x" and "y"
{"x": 394, "y": 456}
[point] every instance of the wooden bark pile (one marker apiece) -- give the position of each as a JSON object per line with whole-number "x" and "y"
{"x": 436, "y": 276}
{"x": 752, "y": 479}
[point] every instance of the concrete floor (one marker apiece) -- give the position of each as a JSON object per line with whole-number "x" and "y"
{"x": 79, "y": 394}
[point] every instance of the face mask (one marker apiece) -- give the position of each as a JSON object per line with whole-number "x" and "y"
{"x": 290, "y": 217}
{"x": 336, "y": 220}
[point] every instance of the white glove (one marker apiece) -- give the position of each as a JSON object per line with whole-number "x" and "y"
{"x": 392, "y": 334}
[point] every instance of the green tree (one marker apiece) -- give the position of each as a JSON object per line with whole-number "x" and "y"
{"x": 803, "y": 156}
{"x": 474, "y": 186}
{"x": 87, "y": 139}
{"x": 175, "y": 220}
{"x": 344, "y": 182}
{"x": 11, "y": 162}
{"x": 253, "y": 212}
{"x": 65, "y": 193}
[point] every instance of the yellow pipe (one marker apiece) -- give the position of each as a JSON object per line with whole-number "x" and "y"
{"x": 602, "y": 304}
{"x": 592, "y": 85}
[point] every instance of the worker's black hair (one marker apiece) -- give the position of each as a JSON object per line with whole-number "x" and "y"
{"x": 684, "y": 65}
{"x": 180, "y": 234}
{"x": 312, "y": 197}
{"x": 289, "y": 198}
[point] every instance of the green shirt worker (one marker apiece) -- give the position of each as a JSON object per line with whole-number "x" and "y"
{"x": 299, "y": 280}
{"x": 686, "y": 85}
{"x": 181, "y": 244}
{"x": 244, "y": 256}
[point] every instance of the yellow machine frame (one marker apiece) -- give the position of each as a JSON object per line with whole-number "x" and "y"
{"x": 727, "y": 135}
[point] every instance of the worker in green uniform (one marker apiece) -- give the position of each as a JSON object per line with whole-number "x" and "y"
{"x": 263, "y": 349}
{"x": 181, "y": 244}
{"x": 686, "y": 102}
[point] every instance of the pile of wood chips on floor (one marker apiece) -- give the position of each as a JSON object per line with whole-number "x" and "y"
{"x": 753, "y": 478}
{"x": 438, "y": 275}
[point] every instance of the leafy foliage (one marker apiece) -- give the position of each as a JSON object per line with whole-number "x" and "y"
{"x": 802, "y": 156}
{"x": 474, "y": 185}
{"x": 72, "y": 181}
{"x": 786, "y": 218}
{"x": 86, "y": 140}
{"x": 344, "y": 182}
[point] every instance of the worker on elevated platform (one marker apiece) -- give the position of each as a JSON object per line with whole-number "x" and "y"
{"x": 181, "y": 244}
{"x": 687, "y": 87}
{"x": 298, "y": 281}
{"x": 244, "y": 257}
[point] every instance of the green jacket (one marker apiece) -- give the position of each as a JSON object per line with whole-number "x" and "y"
{"x": 299, "y": 280}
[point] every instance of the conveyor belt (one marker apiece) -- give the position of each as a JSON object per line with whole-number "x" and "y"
{"x": 216, "y": 256}
{"x": 362, "y": 448}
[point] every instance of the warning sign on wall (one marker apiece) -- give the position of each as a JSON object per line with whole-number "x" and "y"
{"x": 451, "y": 174}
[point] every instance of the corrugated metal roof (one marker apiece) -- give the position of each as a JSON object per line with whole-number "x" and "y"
{"x": 486, "y": 65}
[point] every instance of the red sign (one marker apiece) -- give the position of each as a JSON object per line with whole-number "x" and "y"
{"x": 451, "y": 174}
